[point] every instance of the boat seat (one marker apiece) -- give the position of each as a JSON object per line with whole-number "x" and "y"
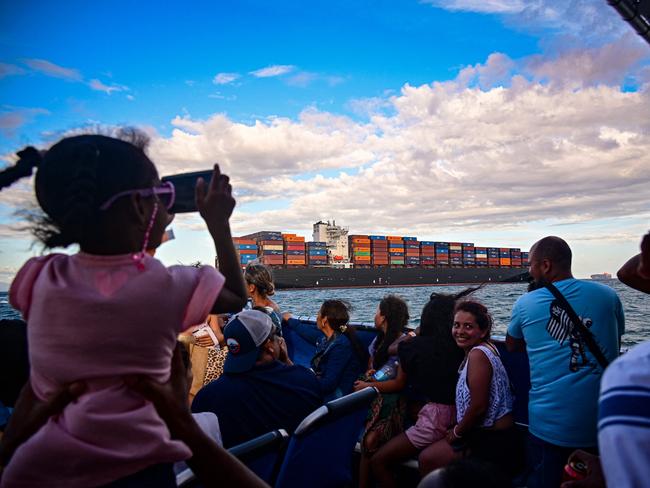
{"x": 262, "y": 455}
{"x": 334, "y": 429}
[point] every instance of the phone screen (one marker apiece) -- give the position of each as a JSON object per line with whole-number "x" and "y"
{"x": 184, "y": 186}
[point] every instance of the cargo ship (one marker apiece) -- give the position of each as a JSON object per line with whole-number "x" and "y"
{"x": 336, "y": 259}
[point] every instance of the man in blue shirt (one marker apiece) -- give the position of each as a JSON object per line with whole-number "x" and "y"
{"x": 565, "y": 375}
{"x": 261, "y": 389}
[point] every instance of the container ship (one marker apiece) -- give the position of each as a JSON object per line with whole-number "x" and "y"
{"x": 337, "y": 259}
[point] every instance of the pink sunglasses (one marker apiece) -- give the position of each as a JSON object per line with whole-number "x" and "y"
{"x": 165, "y": 193}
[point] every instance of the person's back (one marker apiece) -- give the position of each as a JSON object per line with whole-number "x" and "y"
{"x": 565, "y": 363}
{"x": 260, "y": 389}
{"x": 431, "y": 367}
{"x": 268, "y": 397}
{"x": 98, "y": 315}
{"x": 565, "y": 376}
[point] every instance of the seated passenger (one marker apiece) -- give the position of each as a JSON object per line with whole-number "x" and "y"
{"x": 259, "y": 284}
{"x": 386, "y": 416}
{"x": 485, "y": 425}
{"x": 340, "y": 356}
{"x": 428, "y": 368}
{"x": 260, "y": 389}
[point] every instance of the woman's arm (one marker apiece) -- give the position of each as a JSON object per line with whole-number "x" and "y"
{"x": 389, "y": 386}
{"x": 479, "y": 376}
{"x": 392, "y": 349}
{"x": 216, "y": 203}
{"x": 307, "y": 332}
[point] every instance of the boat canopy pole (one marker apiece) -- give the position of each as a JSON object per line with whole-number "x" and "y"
{"x": 636, "y": 13}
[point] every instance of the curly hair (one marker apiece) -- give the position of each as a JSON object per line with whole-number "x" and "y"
{"x": 480, "y": 313}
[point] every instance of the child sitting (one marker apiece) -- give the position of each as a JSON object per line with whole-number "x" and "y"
{"x": 110, "y": 309}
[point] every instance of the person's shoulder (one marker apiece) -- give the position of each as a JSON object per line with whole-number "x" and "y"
{"x": 631, "y": 368}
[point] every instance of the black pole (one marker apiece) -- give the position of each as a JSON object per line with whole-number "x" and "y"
{"x": 636, "y": 13}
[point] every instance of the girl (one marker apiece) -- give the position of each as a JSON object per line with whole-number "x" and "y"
{"x": 428, "y": 370}
{"x": 111, "y": 309}
{"x": 340, "y": 357}
{"x": 385, "y": 419}
{"x": 485, "y": 426}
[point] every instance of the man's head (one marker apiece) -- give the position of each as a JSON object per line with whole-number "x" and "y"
{"x": 550, "y": 260}
{"x": 247, "y": 335}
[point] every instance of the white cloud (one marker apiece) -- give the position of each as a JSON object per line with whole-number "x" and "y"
{"x": 225, "y": 78}
{"x": 10, "y": 69}
{"x": 484, "y": 6}
{"x": 302, "y": 79}
{"x": 130, "y": 97}
{"x": 50, "y": 69}
{"x": 444, "y": 155}
{"x": 97, "y": 85}
{"x": 14, "y": 118}
{"x": 275, "y": 70}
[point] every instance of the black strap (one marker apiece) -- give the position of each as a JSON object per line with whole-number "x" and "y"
{"x": 586, "y": 334}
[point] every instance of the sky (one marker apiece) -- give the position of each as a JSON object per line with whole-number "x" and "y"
{"x": 488, "y": 121}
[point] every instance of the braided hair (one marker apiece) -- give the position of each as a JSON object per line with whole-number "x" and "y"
{"x": 79, "y": 173}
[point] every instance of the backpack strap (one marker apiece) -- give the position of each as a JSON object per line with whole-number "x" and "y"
{"x": 584, "y": 332}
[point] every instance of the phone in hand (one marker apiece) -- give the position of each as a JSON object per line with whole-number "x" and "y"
{"x": 184, "y": 188}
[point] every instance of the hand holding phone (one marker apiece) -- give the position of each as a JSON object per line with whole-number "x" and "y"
{"x": 185, "y": 190}
{"x": 214, "y": 200}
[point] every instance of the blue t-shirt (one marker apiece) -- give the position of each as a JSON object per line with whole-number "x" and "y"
{"x": 268, "y": 397}
{"x": 564, "y": 375}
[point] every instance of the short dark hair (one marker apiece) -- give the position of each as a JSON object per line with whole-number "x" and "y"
{"x": 555, "y": 249}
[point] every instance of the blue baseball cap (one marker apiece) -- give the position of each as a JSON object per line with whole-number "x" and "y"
{"x": 244, "y": 335}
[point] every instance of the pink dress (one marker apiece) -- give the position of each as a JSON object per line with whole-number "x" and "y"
{"x": 97, "y": 318}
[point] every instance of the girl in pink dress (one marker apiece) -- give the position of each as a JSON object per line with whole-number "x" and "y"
{"x": 110, "y": 309}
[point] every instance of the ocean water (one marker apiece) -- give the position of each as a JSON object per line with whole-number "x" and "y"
{"x": 499, "y": 298}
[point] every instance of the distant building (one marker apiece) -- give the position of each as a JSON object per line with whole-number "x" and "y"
{"x": 336, "y": 238}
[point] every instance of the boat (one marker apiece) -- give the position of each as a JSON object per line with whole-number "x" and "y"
{"x": 335, "y": 259}
{"x": 602, "y": 277}
{"x": 381, "y": 277}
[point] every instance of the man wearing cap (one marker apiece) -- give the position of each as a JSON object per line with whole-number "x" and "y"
{"x": 261, "y": 389}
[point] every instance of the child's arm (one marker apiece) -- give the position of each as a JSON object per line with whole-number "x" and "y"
{"x": 213, "y": 465}
{"x": 216, "y": 203}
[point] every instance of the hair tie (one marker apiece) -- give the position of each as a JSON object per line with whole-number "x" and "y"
{"x": 343, "y": 328}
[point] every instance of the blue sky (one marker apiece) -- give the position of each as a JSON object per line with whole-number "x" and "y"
{"x": 494, "y": 121}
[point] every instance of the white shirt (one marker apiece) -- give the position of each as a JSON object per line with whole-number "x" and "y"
{"x": 624, "y": 419}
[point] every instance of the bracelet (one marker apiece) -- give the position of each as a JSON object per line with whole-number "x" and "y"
{"x": 456, "y": 434}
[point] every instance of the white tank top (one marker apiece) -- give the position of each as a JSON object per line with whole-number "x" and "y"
{"x": 500, "y": 402}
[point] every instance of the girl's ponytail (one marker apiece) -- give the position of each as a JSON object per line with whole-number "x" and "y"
{"x": 30, "y": 158}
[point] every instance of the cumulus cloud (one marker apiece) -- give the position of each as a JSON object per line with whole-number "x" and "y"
{"x": 10, "y": 69}
{"x": 484, "y": 6}
{"x": 463, "y": 156}
{"x": 225, "y": 78}
{"x": 14, "y": 118}
{"x": 50, "y": 69}
{"x": 275, "y": 70}
{"x": 97, "y": 85}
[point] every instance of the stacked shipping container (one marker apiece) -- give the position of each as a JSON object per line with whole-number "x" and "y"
{"x": 246, "y": 249}
{"x": 316, "y": 253}
{"x": 276, "y": 249}
{"x": 442, "y": 253}
{"x": 395, "y": 250}
{"x": 411, "y": 251}
{"x": 379, "y": 250}
{"x": 481, "y": 256}
{"x": 427, "y": 253}
{"x": 294, "y": 250}
{"x": 469, "y": 254}
{"x": 269, "y": 247}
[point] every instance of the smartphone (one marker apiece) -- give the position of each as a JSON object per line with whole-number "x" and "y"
{"x": 184, "y": 187}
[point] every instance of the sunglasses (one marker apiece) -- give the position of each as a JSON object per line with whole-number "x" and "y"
{"x": 165, "y": 193}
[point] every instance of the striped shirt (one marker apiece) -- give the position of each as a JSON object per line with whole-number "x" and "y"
{"x": 624, "y": 419}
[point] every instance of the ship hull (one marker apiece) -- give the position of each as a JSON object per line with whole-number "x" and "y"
{"x": 325, "y": 277}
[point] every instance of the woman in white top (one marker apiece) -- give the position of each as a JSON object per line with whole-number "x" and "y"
{"x": 485, "y": 425}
